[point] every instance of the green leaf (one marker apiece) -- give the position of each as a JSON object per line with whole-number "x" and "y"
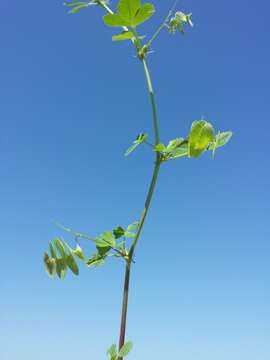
{"x": 76, "y": 3}
{"x": 182, "y": 150}
{"x": 127, "y": 9}
{"x": 112, "y": 351}
{"x": 141, "y": 138}
{"x": 133, "y": 226}
{"x": 71, "y": 263}
{"x": 125, "y": 349}
{"x": 61, "y": 267}
{"x": 221, "y": 139}
{"x": 160, "y": 147}
{"x": 77, "y": 8}
{"x": 201, "y": 135}
{"x": 144, "y": 13}
{"x": 106, "y": 239}
{"x": 118, "y": 232}
{"x": 127, "y": 35}
{"x": 96, "y": 260}
{"x": 103, "y": 250}
{"x": 115, "y": 20}
{"x": 60, "y": 248}
{"x": 50, "y": 264}
{"x": 52, "y": 250}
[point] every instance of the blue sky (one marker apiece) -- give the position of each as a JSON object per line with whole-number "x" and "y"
{"x": 71, "y": 103}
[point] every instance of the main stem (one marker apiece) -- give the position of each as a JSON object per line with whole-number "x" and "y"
{"x": 144, "y": 212}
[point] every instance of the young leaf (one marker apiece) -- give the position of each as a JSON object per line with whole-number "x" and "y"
{"x": 201, "y": 135}
{"x": 102, "y": 251}
{"x": 144, "y": 13}
{"x": 125, "y": 349}
{"x": 71, "y": 263}
{"x": 141, "y": 138}
{"x": 78, "y": 5}
{"x": 50, "y": 264}
{"x": 106, "y": 239}
{"x": 112, "y": 351}
{"x": 160, "y": 147}
{"x": 118, "y": 232}
{"x": 127, "y": 35}
{"x": 221, "y": 139}
{"x": 95, "y": 261}
{"x": 133, "y": 226}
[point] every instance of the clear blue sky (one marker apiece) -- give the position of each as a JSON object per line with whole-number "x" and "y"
{"x": 71, "y": 103}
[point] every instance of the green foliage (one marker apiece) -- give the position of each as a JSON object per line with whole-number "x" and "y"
{"x": 221, "y": 139}
{"x": 178, "y": 21}
{"x": 96, "y": 260}
{"x": 125, "y": 35}
{"x": 71, "y": 263}
{"x": 106, "y": 239}
{"x": 141, "y": 138}
{"x": 78, "y": 5}
{"x": 130, "y": 14}
{"x": 200, "y": 136}
{"x": 118, "y": 232}
{"x": 200, "y": 139}
{"x": 112, "y": 352}
{"x": 175, "y": 149}
{"x": 124, "y": 351}
{"x": 61, "y": 267}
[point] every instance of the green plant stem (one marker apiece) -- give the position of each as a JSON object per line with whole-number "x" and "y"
{"x": 148, "y": 197}
{"x": 145, "y": 210}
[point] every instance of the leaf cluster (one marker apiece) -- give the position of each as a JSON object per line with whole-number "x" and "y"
{"x": 108, "y": 244}
{"x": 202, "y": 137}
{"x": 124, "y": 351}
